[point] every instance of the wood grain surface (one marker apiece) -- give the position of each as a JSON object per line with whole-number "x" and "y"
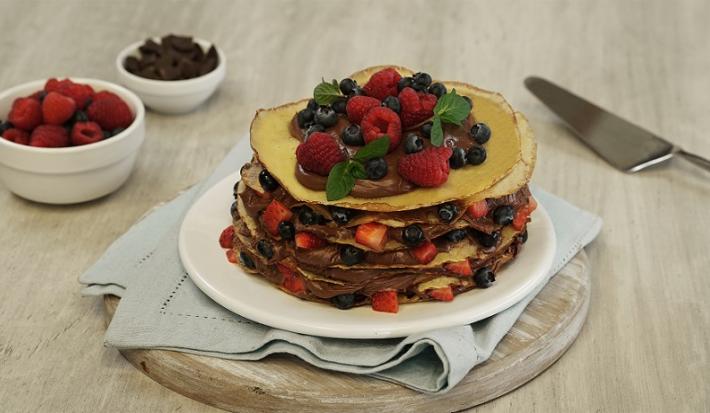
{"x": 646, "y": 344}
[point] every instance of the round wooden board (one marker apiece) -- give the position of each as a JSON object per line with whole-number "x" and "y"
{"x": 541, "y": 335}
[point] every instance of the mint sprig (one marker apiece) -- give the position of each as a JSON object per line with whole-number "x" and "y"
{"x": 326, "y": 93}
{"x": 450, "y": 108}
{"x": 341, "y": 179}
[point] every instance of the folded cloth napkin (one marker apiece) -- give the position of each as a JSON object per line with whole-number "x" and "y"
{"x": 161, "y": 308}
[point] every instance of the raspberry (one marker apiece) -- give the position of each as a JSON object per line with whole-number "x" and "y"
{"x": 49, "y": 136}
{"x": 57, "y": 109}
{"x": 358, "y": 106}
{"x": 429, "y": 167}
{"x": 53, "y": 85}
{"x": 382, "y": 84}
{"x": 83, "y": 133}
{"x": 381, "y": 121}
{"x": 416, "y": 106}
{"x": 17, "y": 136}
{"x": 226, "y": 238}
{"x": 109, "y": 111}
{"x": 319, "y": 153}
{"x": 26, "y": 113}
{"x": 81, "y": 93}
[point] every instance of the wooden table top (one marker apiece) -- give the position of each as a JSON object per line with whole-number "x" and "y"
{"x": 646, "y": 344}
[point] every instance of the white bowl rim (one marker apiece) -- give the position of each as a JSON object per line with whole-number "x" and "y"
{"x": 137, "y": 120}
{"x": 163, "y": 83}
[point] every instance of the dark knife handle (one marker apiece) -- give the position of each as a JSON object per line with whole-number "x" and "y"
{"x": 696, "y": 159}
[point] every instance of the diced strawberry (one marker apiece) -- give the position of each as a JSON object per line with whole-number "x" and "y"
{"x": 274, "y": 213}
{"x": 385, "y": 301}
{"x": 307, "y": 240}
{"x": 461, "y": 268}
{"x": 226, "y": 239}
{"x": 373, "y": 235}
{"x": 232, "y": 256}
{"x": 442, "y": 294}
{"x": 521, "y": 217}
{"x": 291, "y": 281}
{"x": 478, "y": 209}
{"x": 425, "y": 252}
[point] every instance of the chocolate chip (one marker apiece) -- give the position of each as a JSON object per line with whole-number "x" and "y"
{"x": 174, "y": 58}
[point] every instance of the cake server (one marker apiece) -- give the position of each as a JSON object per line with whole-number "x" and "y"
{"x": 625, "y": 146}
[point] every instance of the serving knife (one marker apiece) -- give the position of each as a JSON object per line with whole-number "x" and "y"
{"x": 622, "y": 144}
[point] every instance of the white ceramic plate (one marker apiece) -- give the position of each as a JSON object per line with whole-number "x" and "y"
{"x": 258, "y": 300}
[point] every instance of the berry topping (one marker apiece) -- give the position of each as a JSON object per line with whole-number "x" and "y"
{"x": 267, "y": 181}
{"x": 458, "y": 158}
{"x": 352, "y": 135}
{"x": 308, "y": 217}
{"x": 437, "y": 89}
{"x": 426, "y": 130}
{"x": 413, "y": 143}
{"x": 226, "y": 238}
{"x": 265, "y": 248}
{"x": 523, "y": 213}
{"x": 291, "y": 281}
{"x": 287, "y": 230}
{"x": 341, "y": 216}
{"x": 347, "y": 86}
{"x": 319, "y": 153}
{"x": 307, "y": 240}
{"x": 343, "y": 301}
{"x": 358, "y": 106}
{"x": 448, "y": 212}
{"x": 461, "y": 268}
{"x": 379, "y": 122}
{"x": 421, "y": 81}
{"x": 372, "y": 235}
{"x": 442, "y": 294}
{"x": 325, "y": 116}
{"x": 49, "y": 136}
{"x": 25, "y": 114}
{"x": 376, "y": 168}
{"x": 469, "y": 101}
{"x": 340, "y": 105}
{"x": 109, "y": 111}
{"x": 83, "y": 133}
{"x": 478, "y": 209}
{"x": 313, "y": 129}
{"x": 312, "y": 105}
{"x": 456, "y": 235}
{"x": 351, "y": 255}
{"x": 57, "y": 109}
{"x": 480, "y": 132}
{"x": 503, "y": 215}
{"x": 304, "y": 118}
{"x": 416, "y": 106}
{"x": 231, "y": 256}
{"x": 428, "y": 168}
{"x": 246, "y": 260}
{"x": 274, "y": 214}
{"x": 383, "y": 84}
{"x": 488, "y": 240}
{"x": 523, "y": 237}
{"x": 391, "y": 102}
{"x": 234, "y": 210}
{"x": 412, "y": 235}
{"x": 404, "y": 82}
{"x": 425, "y": 252}
{"x": 476, "y": 155}
{"x": 17, "y": 135}
{"x": 385, "y": 301}
{"x": 484, "y": 277}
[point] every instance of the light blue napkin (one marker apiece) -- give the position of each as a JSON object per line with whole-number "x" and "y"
{"x": 162, "y": 309}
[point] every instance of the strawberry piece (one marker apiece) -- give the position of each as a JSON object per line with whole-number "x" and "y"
{"x": 49, "y": 136}
{"x": 461, "y": 268}
{"x": 382, "y": 84}
{"x": 521, "y": 217}
{"x": 232, "y": 256}
{"x": 109, "y": 111}
{"x": 373, "y": 235}
{"x": 226, "y": 238}
{"x": 425, "y": 252}
{"x": 84, "y": 133}
{"x": 17, "y": 135}
{"x": 291, "y": 281}
{"x": 385, "y": 301}
{"x": 25, "y": 114}
{"x": 478, "y": 209}
{"x": 442, "y": 294}
{"x": 358, "y": 106}
{"x": 428, "y": 168}
{"x": 416, "y": 107}
{"x": 382, "y": 121}
{"x": 57, "y": 108}
{"x": 319, "y": 153}
{"x": 274, "y": 214}
{"x": 307, "y": 240}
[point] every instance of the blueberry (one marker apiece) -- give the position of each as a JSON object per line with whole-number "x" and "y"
{"x": 343, "y": 301}
{"x": 247, "y": 260}
{"x": 113, "y": 132}
{"x": 392, "y": 103}
{"x": 347, "y": 86}
{"x": 339, "y": 105}
{"x": 404, "y": 82}
{"x": 287, "y": 230}
{"x": 267, "y": 181}
{"x": 476, "y": 155}
{"x": 233, "y": 210}
{"x": 376, "y": 168}
{"x": 235, "y": 190}
{"x": 341, "y": 216}
{"x": 456, "y": 235}
{"x": 426, "y": 130}
{"x": 351, "y": 255}
{"x": 325, "y": 116}
{"x": 468, "y": 100}
{"x": 357, "y": 91}
{"x": 503, "y": 215}
{"x": 488, "y": 240}
{"x": 412, "y": 235}
{"x": 448, "y": 212}
{"x": 421, "y": 81}
{"x": 480, "y": 133}
{"x": 265, "y": 249}
{"x": 314, "y": 128}
{"x": 307, "y": 216}
{"x": 304, "y": 118}
{"x": 352, "y": 135}
{"x": 484, "y": 277}
{"x": 5, "y": 126}
{"x": 413, "y": 143}
{"x": 312, "y": 105}
{"x": 81, "y": 116}
{"x": 437, "y": 89}
{"x": 458, "y": 158}
{"x": 523, "y": 237}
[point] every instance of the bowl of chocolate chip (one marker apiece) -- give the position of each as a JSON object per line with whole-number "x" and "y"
{"x": 172, "y": 74}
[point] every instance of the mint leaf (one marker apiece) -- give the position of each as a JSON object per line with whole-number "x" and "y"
{"x": 357, "y": 170}
{"x": 340, "y": 182}
{"x": 437, "y": 132}
{"x": 452, "y": 108}
{"x": 326, "y": 93}
{"x": 375, "y": 149}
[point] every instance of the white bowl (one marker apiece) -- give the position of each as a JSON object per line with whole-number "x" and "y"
{"x": 73, "y": 174}
{"x": 172, "y": 96}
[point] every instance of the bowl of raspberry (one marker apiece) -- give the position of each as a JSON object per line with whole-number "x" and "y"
{"x": 68, "y": 141}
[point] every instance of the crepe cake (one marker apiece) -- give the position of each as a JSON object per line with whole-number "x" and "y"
{"x": 385, "y": 188}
